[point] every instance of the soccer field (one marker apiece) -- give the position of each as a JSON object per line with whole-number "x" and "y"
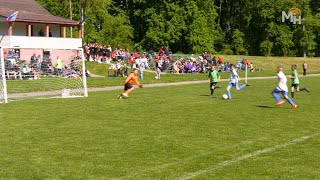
{"x": 173, "y": 132}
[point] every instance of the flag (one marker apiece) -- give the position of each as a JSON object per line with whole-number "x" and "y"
{"x": 12, "y": 17}
{"x": 82, "y": 22}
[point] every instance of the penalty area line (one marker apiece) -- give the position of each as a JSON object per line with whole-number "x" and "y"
{"x": 244, "y": 157}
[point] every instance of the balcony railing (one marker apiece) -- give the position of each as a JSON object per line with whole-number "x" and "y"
{"x": 39, "y": 42}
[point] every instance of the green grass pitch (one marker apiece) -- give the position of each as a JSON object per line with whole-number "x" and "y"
{"x": 163, "y": 133}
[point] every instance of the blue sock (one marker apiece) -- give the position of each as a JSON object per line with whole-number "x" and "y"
{"x": 290, "y": 101}
{"x": 241, "y": 87}
{"x": 276, "y": 97}
{"x": 229, "y": 94}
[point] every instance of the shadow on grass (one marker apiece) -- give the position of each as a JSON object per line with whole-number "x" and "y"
{"x": 265, "y": 107}
{"x": 205, "y": 95}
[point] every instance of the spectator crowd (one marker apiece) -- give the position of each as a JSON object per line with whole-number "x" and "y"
{"x": 36, "y": 66}
{"x": 163, "y": 60}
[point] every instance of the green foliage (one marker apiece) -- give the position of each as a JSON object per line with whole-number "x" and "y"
{"x": 238, "y": 42}
{"x": 190, "y": 26}
{"x": 103, "y": 25}
{"x": 227, "y": 50}
{"x": 266, "y": 47}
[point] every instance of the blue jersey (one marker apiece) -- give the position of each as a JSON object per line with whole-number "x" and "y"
{"x": 233, "y": 76}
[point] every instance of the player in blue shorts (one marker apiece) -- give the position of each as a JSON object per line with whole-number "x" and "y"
{"x": 282, "y": 88}
{"x": 234, "y": 79}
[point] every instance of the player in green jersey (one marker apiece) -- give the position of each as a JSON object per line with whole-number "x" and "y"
{"x": 295, "y": 81}
{"x": 213, "y": 79}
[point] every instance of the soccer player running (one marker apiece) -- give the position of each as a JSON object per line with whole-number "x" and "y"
{"x": 213, "y": 79}
{"x": 282, "y": 88}
{"x": 234, "y": 79}
{"x": 128, "y": 88}
{"x": 295, "y": 81}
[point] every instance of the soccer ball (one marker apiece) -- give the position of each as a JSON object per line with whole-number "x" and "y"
{"x": 225, "y": 96}
{"x": 156, "y": 77}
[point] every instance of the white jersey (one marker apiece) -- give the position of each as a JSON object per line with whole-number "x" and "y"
{"x": 282, "y": 81}
{"x": 233, "y": 76}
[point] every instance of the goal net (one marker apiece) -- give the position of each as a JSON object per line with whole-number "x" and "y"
{"x": 41, "y": 73}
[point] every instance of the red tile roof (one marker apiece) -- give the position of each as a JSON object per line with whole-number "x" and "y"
{"x": 31, "y": 11}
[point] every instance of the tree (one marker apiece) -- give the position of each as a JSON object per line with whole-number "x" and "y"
{"x": 238, "y": 43}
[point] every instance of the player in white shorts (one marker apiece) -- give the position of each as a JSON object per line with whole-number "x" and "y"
{"x": 282, "y": 88}
{"x": 234, "y": 79}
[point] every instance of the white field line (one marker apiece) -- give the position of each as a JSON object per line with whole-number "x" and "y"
{"x": 176, "y": 162}
{"x": 244, "y": 157}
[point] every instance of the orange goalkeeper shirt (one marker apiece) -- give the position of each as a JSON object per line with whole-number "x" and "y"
{"x": 132, "y": 78}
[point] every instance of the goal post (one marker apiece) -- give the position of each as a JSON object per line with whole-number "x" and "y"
{"x": 38, "y": 73}
{"x": 84, "y": 74}
{"x": 3, "y": 84}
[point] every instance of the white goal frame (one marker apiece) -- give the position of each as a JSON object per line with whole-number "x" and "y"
{"x": 3, "y": 81}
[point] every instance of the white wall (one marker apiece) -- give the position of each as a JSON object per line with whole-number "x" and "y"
{"x": 4, "y": 41}
{"x": 44, "y": 42}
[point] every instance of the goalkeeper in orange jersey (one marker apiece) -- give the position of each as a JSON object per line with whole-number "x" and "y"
{"x": 128, "y": 87}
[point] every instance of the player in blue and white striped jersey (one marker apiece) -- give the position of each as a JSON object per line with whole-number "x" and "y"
{"x": 234, "y": 79}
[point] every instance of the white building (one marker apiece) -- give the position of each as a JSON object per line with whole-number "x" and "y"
{"x": 36, "y": 28}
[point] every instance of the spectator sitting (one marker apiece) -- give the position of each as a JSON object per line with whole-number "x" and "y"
{"x": 25, "y": 71}
{"x": 88, "y": 74}
{"x": 10, "y": 70}
{"x": 194, "y": 68}
{"x": 73, "y": 66}
{"x": 34, "y": 72}
{"x": 251, "y": 67}
{"x": 192, "y": 58}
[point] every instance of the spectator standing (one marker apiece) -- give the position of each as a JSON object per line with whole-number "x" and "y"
{"x": 304, "y": 66}
{"x": 131, "y": 61}
{"x": 59, "y": 66}
{"x": 118, "y": 68}
{"x": 161, "y": 51}
{"x": 214, "y": 61}
{"x": 166, "y": 51}
{"x": 38, "y": 62}
{"x": 125, "y": 70}
{"x": 245, "y": 61}
{"x": 33, "y": 59}
{"x": 108, "y": 53}
{"x": 141, "y": 69}
{"x": 220, "y": 60}
{"x": 158, "y": 71}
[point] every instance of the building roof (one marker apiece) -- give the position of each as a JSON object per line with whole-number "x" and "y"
{"x": 31, "y": 11}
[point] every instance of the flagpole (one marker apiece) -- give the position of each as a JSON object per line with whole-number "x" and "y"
{"x": 11, "y": 19}
{"x": 82, "y": 25}
{"x": 70, "y": 8}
